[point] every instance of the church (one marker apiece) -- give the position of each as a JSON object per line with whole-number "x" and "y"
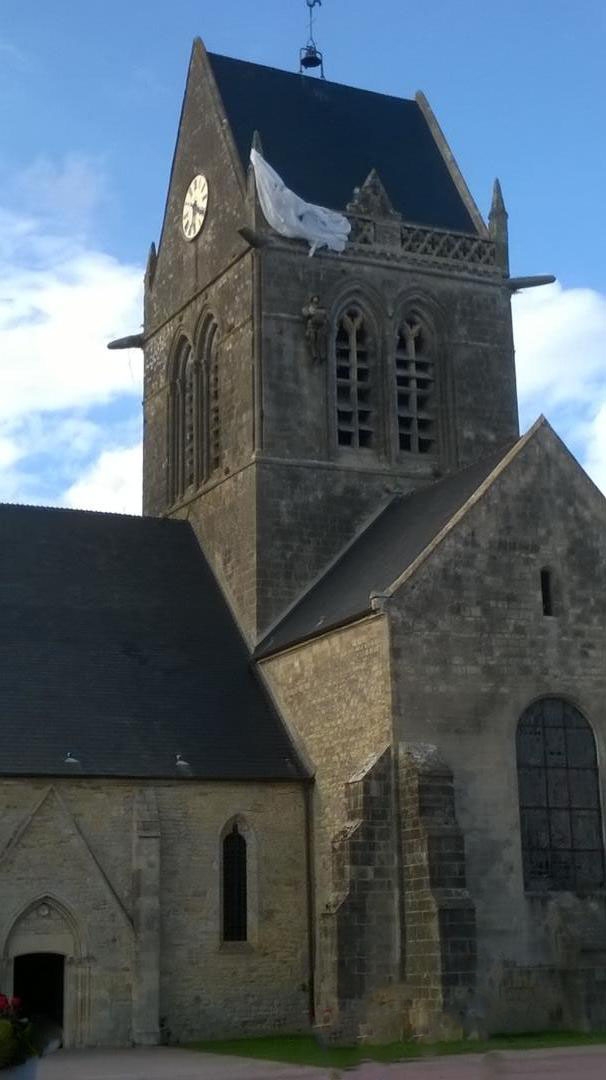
{"x": 318, "y": 742}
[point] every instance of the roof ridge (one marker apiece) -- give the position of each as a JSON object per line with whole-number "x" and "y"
{"x": 297, "y": 75}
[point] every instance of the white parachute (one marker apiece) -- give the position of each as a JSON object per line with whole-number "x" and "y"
{"x": 291, "y": 216}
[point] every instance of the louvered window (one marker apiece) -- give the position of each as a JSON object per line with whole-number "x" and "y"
{"x": 355, "y": 392}
{"x": 562, "y": 845}
{"x": 415, "y": 389}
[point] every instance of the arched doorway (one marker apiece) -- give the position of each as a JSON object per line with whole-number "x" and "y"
{"x": 39, "y": 981}
{"x": 44, "y": 958}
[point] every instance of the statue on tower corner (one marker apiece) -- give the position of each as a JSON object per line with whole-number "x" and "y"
{"x": 316, "y": 329}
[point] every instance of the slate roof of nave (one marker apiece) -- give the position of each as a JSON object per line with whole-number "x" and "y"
{"x": 324, "y": 138}
{"x": 116, "y": 644}
{"x": 380, "y": 554}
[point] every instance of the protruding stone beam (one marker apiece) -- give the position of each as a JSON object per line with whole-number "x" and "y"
{"x": 517, "y": 283}
{"x": 255, "y": 239}
{"x": 133, "y": 341}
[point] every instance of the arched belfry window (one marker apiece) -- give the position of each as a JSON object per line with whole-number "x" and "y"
{"x": 561, "y": 824}
{"x": 190, "y": 396}
{"x": 235, "y": 903}
{"x": 213, "y": 414}
{"x": 415, "y": 387}
{"x": 355, "y": 392}
{"x": 194, "y": 418}
{"x": 184, "y": 464}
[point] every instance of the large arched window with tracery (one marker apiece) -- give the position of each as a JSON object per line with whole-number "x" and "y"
{"x": 415, "y": 374}
{"x": 560, "y": 818}
{"x": 355, "y": 350}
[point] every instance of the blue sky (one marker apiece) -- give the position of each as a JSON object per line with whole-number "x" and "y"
{"x": 89, "y": 104}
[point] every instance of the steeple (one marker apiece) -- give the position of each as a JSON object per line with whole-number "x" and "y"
{"x": 287, "y": 398}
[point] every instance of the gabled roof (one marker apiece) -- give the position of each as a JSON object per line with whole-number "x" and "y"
{"x": 381, "y": 554}
{"x": 116, "y": 644}
{"x": 324, "y": 138}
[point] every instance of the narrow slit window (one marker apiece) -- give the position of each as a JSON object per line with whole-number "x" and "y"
{"x": 234, "y": 887}
{"x": 415, "y": 389}
{"x": 354, "y": 390}
{"x": 546, "y": 592}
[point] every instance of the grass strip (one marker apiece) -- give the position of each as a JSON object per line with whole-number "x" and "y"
{"x": 305, "y": 1050}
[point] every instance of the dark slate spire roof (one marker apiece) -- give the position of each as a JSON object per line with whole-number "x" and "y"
{"x": 116, "y": 645}
{"x": 379, "y": 555}
{"x": 324, "y": 139}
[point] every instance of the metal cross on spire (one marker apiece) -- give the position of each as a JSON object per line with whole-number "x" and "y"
{"x": 310, "y": 56}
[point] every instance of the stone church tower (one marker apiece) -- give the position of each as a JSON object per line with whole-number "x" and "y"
{"x": 290, "y": 446}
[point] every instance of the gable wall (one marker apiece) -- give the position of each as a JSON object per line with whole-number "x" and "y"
{"x": 206, "y": 988}
{"x": 471, "y": 649}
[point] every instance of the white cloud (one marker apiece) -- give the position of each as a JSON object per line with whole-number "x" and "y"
{"x": 66, "y": 400}
{"x": 112, "y": 483}
{"x": 560, "y": 337}
{"x": 65, "y": 194}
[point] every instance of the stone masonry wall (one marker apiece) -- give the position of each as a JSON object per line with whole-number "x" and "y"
{"x": 439, "y": 913}
{"x": 74, "y": 847}
{"x": 471, "y": 648}
{"x": 334, "y": 693}
{"x": 313, "y": 495}
{"x": 367, "y": 939}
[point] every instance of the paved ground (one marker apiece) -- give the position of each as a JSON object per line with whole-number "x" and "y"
{"x": 161, "y": 1063}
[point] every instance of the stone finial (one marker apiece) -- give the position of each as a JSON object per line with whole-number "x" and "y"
{"x": 150, "y": 269}
{"x": 497, "y": 226}
{"x": 371, "y": 199}
{"x": 497, "y": 208}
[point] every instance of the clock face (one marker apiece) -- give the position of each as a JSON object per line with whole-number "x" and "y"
{"x": 194, "y": 207}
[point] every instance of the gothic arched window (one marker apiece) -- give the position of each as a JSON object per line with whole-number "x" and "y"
{"x": 183, "y": 433}
{"x": 355, "y": 392}
{"x": 415, "y": 388}
{"x": 213, "y": 427}
{"x": 235, "y": 903}
{"x": 561, "y": 824}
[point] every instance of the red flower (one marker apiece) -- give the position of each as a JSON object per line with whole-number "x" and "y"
{"x": 15, "y": 1003}
{"x": 4, "y": 1004}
